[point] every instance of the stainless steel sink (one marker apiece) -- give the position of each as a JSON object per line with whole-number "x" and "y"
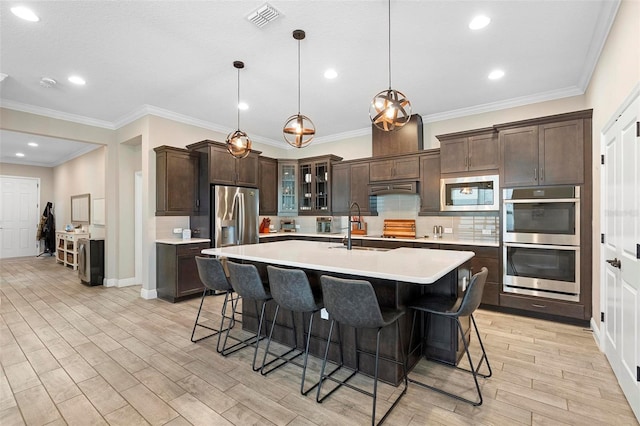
{"x": 360, "y": 248}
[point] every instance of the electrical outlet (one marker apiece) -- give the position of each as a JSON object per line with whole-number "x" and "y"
{"x": 297, "y": 226}
{"x": 177, "y": 230}
{"x": 448, "y": 230}
{"x": 324, "y": 314}
{"x": 486, "y": 232}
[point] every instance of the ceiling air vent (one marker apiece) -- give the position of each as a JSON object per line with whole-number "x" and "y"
{"x": 265, "y": 14}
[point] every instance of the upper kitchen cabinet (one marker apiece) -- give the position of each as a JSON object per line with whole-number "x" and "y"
{"x": 430, "y": 182}
{"x": 404, "y": 140}
{"x": 176, "y": 181}
{"x": 224, "y": 169}
{"x": 469, "y": 151}
{"x": 350, "y": 184}
{"x": 268, "y": 185}
{"x": 406, "y": 167}
{"x": 287, "y": 188}
{"x": 547, "y": 151}
{"x": 315, "y": 184}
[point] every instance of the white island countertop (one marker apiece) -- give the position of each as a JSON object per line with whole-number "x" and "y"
{"x": 414, "y": 265}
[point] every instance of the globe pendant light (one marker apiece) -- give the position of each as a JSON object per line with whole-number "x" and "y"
{"x": 238, "y": 143}
{"x": 298, "y": 130}
{"x": 390, "y": 109}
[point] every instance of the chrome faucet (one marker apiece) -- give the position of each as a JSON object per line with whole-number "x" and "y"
{"x": 352, "y": 221}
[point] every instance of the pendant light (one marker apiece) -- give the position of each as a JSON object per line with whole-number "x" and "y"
{"x": 390, "y": 109}
{"x": 298, "y": 130}
{"x": 238, "y": 142}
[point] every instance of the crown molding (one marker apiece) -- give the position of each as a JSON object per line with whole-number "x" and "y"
{"x": 344, "y": 135}
{"x": 52, "y": 113}
{"x": 499, "y": 105}
{"x": 609, "y": 10}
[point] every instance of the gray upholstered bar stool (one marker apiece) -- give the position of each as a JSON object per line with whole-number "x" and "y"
{"x": 214, "y": 279}
{"x": 454, "y": 309}
{"x": 246, "y": 281}
{"x": 354, "y": 303}
{"x": 291, "y": 290}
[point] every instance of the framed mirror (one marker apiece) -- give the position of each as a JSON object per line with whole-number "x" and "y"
{"x": 80, "y": 209}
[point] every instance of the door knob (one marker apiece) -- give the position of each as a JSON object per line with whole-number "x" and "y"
{"x": 614, "y": 262}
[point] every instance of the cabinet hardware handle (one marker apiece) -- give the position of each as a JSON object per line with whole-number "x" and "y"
{"x": 541, "y": 174}
{"x": 538, "y": 306}
{"x": 535, "y": 173}
{"x": 469, "y": 162}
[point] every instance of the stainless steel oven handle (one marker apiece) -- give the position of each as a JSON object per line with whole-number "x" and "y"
{"x": 542, "y": 246}
{"x": 541, "y": 201}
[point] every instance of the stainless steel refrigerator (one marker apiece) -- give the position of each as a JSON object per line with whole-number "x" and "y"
{"x": 234, "y": 216}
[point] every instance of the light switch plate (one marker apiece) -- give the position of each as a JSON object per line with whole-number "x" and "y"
{"x": 324, "y": 314}
{"x": 177, "y": 230}
{"x": 448, "y": 230}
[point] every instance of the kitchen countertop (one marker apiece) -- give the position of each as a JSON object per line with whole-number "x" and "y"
{"x": 413, "y": 265}
{"x": 183, "y": 241}
{"x": 444, "y": 240}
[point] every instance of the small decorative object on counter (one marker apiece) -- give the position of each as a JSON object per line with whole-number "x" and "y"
{"x": 265, "y": 225}
{"x": 186, "y": 234}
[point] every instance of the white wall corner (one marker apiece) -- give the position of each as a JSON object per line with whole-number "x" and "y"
{"x": 596, "y": 334}
{"x": 126, "y": 282}
{"x": 110, "y": 282}
{"x": 148, "y": 294}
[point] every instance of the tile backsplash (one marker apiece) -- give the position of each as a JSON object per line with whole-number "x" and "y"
{"x": 396, "y": 206}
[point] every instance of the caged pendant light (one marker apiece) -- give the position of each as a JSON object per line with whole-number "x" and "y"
{"x": 298, "y": 130}
{"x": 238, "y": 142}
{"x": 390, "y": 109}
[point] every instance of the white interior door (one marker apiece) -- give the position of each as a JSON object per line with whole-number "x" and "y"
{"x": 620, "y": 222}
{"x": 19, "y": 216}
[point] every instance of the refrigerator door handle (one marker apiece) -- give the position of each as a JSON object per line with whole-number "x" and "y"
{"x": 241, "y": 219}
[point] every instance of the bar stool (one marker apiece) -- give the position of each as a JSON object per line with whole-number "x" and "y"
{"x": 354, "y": 303}
{"x": 455, "y": 309}
{"x": 246, "y": 281}
{"x": 291, "y": 290}
{"x": 214, "y": 279}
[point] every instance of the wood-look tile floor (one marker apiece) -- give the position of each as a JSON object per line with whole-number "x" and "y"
{"x": 72, "y": 354}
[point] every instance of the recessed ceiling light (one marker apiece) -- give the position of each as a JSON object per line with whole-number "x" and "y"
{"x": 496, "y": 75}
{"x": 32, "y": 144}
{"x": 330, "y": 74}
{"x": 243, "y": 106}
{"x": 77, "y": 80}
{"x": 25, "y": 13}
{"x": 19, "y": 154}
{"x": 479, "y": 22}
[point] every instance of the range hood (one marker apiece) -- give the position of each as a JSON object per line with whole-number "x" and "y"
{"x": 398, "y": 187}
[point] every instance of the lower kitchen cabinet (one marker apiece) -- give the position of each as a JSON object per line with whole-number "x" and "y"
{"x": 543, "y": 306}
{"x": 488, "y": 257}
{"x": 176, "y": 271}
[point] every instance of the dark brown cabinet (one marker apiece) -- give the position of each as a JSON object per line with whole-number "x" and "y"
{"x": 430, "y": 182}
{"x": 315, "y": 185}
{"x": 176, "y": 181}
{"x": 349, "y": 184}
{"x": 545, "y": 154}
{"x": 224, "y": 169}
{"x": 268, "y": 185}
{"x": 406, "y": 139}
{"x": 488, "y": 257}
{"x": 469, "y": 151}
{"x": 176, "y": 271}
{"x": 405, "y": 167}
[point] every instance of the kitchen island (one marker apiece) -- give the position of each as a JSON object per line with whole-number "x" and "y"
{"x": 398, "y": 277}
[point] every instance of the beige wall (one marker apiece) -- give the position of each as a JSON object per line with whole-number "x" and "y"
{"x": 129, "y": 162}
{"x": 82, "y": 175}
{"x": 45, "y": 174}
{"x": 616, "y": 74}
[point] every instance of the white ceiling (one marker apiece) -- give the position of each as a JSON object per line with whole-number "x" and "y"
{"x": 174, "y": 58}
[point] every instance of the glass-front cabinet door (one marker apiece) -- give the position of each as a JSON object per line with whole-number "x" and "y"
{"x": 287, "y": 188}
{"x": 315, "y": 185}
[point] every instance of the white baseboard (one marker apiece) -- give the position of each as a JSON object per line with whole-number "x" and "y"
{"x": 110, "y": 282}
{"x": 126, "y": 282}
{"x": 596, "y": 332}
{"x": 148, "y": 294}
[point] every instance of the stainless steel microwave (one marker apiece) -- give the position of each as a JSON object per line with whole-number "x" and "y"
{"x": 472, "y": 193}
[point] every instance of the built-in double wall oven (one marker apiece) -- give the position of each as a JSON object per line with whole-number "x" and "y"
{"x": 541, "y": 241}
